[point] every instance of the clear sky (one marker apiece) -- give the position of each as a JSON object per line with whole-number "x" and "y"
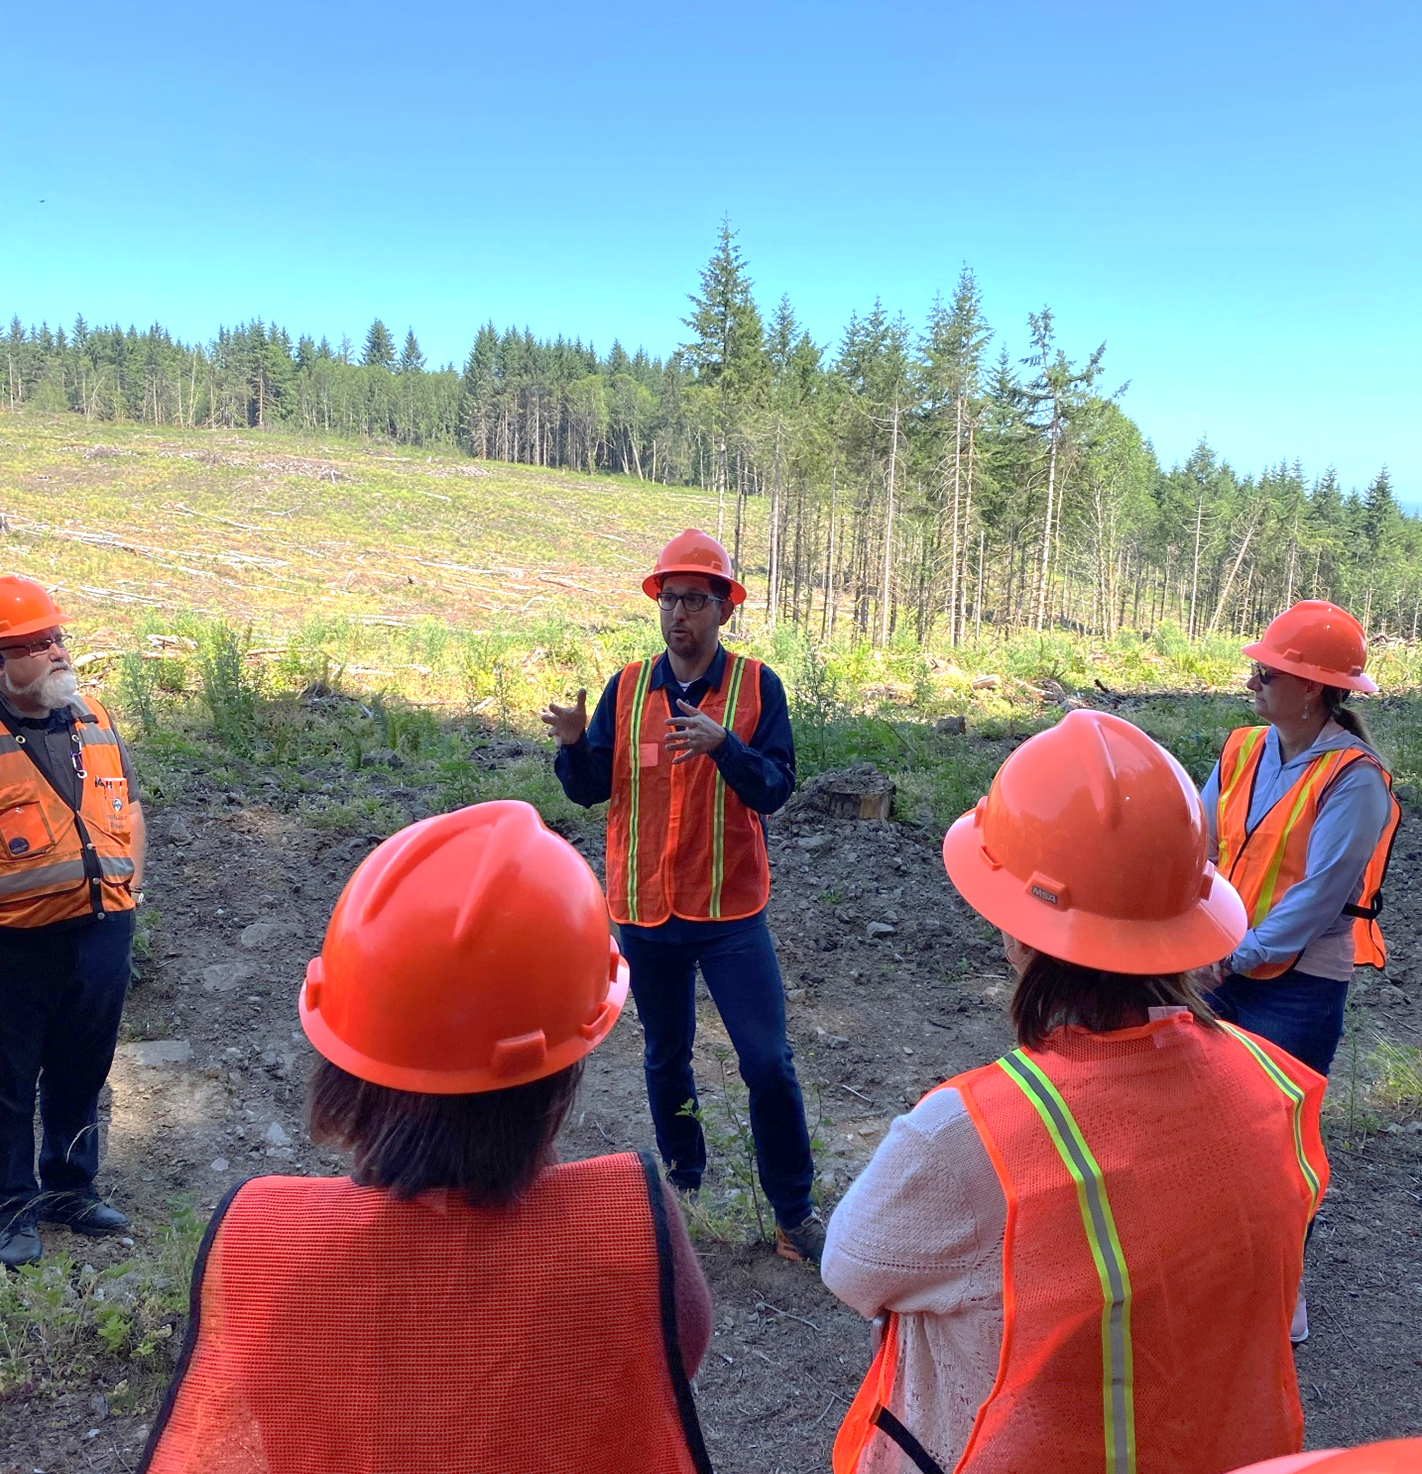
{"x": 1229, "y": 194}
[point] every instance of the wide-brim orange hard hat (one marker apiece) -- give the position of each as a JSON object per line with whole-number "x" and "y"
{"x": 26, "y": 608}
{"x": 1316, "y": 641}
{"x": 1091, "y": 846}
{"x": 1397, "y": 1456}
{"x": 469, "y": 952}
{"x": 693, "y": 551}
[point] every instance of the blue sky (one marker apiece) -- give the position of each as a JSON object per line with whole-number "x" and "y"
{"x": 1229, "y": 195}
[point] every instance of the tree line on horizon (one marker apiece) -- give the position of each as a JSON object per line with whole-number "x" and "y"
{"x": 918, "y": 483}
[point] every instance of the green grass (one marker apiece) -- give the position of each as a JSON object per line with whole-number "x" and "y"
{"x": 64, "y": 1323}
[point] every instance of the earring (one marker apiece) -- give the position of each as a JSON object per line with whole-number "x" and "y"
{"x": 1305, "y": 711}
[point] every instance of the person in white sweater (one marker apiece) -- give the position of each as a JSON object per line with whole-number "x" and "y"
{"x": 1085, "y": 1255}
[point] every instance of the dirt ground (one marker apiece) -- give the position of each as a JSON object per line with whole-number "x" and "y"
{"x": 244, "y": 891}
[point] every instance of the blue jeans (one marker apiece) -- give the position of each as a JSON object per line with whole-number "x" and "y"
{"x": 737, "y": 960}
{"x": 1297, "y": 1011}
{"x": 62, "y": 990}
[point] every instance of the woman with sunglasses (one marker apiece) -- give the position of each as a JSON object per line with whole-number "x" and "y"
{"x": 1302, "y": 818}
{"x": 1084, "y": 1255}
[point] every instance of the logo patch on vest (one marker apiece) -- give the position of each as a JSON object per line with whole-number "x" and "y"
{"x": 18, "y": 846}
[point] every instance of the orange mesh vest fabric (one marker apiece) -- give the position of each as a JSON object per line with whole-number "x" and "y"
{"x": 1263, "y": 862}
{"x": 1147, "y": 1289}
{"x": 337, "y": 1331}
{"x": 679, "y": 841}
{"x": 55, "y": 864}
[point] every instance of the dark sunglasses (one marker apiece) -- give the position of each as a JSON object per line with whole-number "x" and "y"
{"x": 35, "y": 647}
{"x": 1263, "y": 674}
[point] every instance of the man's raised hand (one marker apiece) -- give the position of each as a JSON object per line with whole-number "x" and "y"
{"x": 567, "y": 723}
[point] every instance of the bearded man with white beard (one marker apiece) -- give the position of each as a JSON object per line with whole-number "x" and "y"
{"x": 71, "y": 861}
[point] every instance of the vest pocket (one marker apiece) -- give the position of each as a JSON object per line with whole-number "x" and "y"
{"x": 24, "y": 831}
{"x": 114, "y": 800}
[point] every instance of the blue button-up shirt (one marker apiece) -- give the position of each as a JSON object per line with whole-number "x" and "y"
{"x": 1308, "y": 922}
{"x": 761, "y": 772}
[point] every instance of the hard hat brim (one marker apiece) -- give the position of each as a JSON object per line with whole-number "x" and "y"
{"x": 475, "y": 1080}
{"x": 1209, "y": 931}
{"x": 1276, "y": 661}
{"x": 34, "y": 626}
{"x": 652, "y": 584}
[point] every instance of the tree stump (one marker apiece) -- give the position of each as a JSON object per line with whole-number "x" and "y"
{"x": 859, "y": 796}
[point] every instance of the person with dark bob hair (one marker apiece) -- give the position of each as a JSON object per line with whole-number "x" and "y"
{"x": 1085, "y": 1255}
{"x": 460, "y": 1302}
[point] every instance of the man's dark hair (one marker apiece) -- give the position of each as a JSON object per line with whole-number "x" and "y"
{"x": 719, "y": 587}
{"x": 488, "y": 1146}
{"x": 1052, "y": 993}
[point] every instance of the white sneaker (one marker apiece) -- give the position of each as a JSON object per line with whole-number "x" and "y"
{"x": 1298, "y": 1327}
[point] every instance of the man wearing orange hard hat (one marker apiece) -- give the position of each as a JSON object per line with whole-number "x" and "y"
{"x": 1084, "y": 1255}
{"x": 691, "y": 749}
{"x": 461, "y": 1302}
{"x": 71, "y": 861}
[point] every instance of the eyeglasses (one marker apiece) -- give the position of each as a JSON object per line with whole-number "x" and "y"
{"x": 34, "y": 647}
{"x": 692, "y": 603}
{"x": 1263, "y": 674}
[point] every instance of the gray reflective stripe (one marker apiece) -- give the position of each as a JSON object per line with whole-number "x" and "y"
{"x": 58, "y": 876}
{"x": 1118, "y": 1396}
{"x": 62, "y": 874}
{"x": 91, "y": 736}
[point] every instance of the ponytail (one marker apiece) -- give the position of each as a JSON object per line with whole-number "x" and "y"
{"x": 1350, "y": 721}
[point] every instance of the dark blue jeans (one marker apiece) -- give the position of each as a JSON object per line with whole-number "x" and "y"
{"x": 1297, "y": 1011}
{"x": 62, "y": 990}
{"x": 737, "y": 960}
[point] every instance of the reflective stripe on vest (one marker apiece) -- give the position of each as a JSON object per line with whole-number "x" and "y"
{"x": 718, "y": 832}
{"x": 1264, "y": 861}
{"x": 634, "y": 752}
{"x": 679, "y": 840}
{"x": 1118, "y": 1401}
{"x": 1202, "y": 1229}
{"x": 1295, "y": 1096}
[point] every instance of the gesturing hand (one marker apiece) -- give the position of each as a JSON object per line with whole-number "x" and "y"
{"x": 692, "y": 733}
{"x": 567, "y": 723}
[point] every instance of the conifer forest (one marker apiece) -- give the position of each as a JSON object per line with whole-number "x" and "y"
{"x": 923, "y": 479}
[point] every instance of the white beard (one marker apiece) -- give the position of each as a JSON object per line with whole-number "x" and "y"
{"x": 53, "y": 690}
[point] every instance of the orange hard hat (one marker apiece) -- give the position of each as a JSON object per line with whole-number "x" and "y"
{"x": 1317, "y": 641}
{"x": 1090, "y": 846}
{"x": 1398, "y": 1456}
{"x": 26, "y": 607}
{"x": 693, "y": 552}
{"x": 468, "y": 952}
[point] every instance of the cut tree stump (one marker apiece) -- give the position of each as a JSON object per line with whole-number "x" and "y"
{"x": 859, "y": 796}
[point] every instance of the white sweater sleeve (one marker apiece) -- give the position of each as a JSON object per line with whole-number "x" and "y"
{"x": 920, "y": 1229}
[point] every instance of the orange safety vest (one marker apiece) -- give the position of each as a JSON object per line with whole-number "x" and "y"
{"x": 1263, "y": 862}
{"x": 56, "y": 863}
{"x": 336, "y": 1330}
{"x": 1159, "y": 1183}
{"x": 679, "y": 842}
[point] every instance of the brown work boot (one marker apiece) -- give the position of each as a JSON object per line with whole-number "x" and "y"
{"x": 804, "y": 1242}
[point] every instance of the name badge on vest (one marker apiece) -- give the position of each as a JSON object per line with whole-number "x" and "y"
{"x": 649, "y": 754}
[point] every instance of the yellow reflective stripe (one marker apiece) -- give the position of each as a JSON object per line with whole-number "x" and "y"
{"x": 1295, "y": 1095}
{"x": 718, "y": 816}
{"x": 1265, "y": 902}
{"x": 1117, "y": 1372}
{"x": 1252, "y": 739}
{"x": 634, "y": 804}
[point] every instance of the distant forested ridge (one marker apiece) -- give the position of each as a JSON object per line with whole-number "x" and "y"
{"x": 920, "y": 479}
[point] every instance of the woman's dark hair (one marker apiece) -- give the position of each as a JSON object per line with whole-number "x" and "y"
{"x": 488, "y": 1146}
{"x": 1349, "y": 720}
{"x": 1052, "y": 993}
